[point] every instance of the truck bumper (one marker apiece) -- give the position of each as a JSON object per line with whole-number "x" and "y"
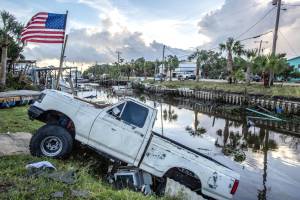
{"x": 34, "y": 112}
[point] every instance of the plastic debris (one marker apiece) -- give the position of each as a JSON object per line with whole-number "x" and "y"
{"x": 47, "y": 170}
{"x": 42, "y": 164}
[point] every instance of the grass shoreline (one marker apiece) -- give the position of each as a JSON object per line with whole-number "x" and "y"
{"x": 16, "y": 184}
{"x": 253, "y": 89}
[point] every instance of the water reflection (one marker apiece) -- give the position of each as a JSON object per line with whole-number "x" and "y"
{"x": 169, "y": 114}
{"x": 267, "y": 159}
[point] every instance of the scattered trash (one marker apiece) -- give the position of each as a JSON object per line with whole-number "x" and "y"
{"x": 58, "y": 194}
{"x": 42, "y": 164}
{"x": 80, "y": 193}
{"x": 67, "y": 177}
{"x": 47, "y": 170}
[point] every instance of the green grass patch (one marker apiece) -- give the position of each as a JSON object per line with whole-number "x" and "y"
{"x": 15, "y": 184}
{"x": 259, "y": 89}
{"x": 16, "y": 120}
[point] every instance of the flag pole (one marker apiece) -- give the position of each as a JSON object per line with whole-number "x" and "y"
{"x": 62, "y": 55}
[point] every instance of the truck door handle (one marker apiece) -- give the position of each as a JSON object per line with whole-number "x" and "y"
{"x": 113, "y": 129}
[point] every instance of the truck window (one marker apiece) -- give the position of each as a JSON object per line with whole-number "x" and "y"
{"x": 134, "y": 114}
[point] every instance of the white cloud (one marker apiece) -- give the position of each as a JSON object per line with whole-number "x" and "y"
{"x": 235, "y": 17}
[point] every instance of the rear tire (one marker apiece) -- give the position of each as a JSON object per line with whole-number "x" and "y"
{"x": 51, "y": 141}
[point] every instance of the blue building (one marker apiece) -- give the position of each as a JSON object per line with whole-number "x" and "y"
{"x": 295, "y": 63}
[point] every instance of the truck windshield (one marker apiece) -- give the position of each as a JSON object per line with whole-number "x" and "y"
{"x": 134, "y": 114}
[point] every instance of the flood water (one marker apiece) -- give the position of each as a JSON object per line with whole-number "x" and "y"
{"x": 267, "y": 160}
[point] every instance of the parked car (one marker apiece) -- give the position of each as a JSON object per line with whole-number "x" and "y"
{"x": 123, "y": 132}
{"x": 186, "y": 76}
{"x": 159, "y": 77}
{"x": 256, "y": 78}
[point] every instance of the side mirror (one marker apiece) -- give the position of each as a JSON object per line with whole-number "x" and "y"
{"x": 116, "y": 111}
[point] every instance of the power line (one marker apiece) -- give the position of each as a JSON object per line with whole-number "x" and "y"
{"x": 254, "y": 37}
{"x": 217, "y": 46}
{"x": 288, "y": 43}
{"x": 260, "y": 20}
{"x": 292, "y": 5}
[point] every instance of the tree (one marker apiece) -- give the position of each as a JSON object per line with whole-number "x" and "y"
{"x": 148, "y": 68}
{"x": 172, "y": 63}
{"x": 250, "y": 57}
{"x": 127, "y": 69}
{"x": 231, "y": 47}
{"x": 139, "y": 66}
{"x": 201, "y": 58}
{"x": 267, "y": 63}
{"x": 10, "y": 31}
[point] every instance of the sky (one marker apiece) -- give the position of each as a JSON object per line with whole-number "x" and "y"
{"x": 136, "y": 28}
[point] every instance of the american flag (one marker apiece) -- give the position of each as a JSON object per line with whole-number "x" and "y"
{"x": 45, "y": 28}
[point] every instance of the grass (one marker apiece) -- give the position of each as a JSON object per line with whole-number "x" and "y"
{"x": 16, "y": 120}
{"x": 15, "y": 184}
{"x": 259, "y": 89}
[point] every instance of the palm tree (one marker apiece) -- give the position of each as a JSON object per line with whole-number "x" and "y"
{"x": 172, "y": 63}
{"x": 250, "y": 55}
{"x": 232, "y": 48}
{"x": 270, "y": 63}
{"x": 10, "y": 30}
{"x": 149, "y": 67}
{"x": 201, "y": 59}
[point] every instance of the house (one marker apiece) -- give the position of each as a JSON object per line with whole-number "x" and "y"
{"x": 295, "y": 63}
{"x": 184, "y": 67}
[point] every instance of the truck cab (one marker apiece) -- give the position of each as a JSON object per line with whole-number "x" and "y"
{"x": 122, "y": 130}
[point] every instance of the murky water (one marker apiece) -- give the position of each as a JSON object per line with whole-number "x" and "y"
{"x": 268, "y": 161}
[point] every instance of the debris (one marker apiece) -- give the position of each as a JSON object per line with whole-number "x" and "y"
{"x": 46, "y": 169}
{"x": 67, "y": 177}
{"x": 5, "y": 186}
{"x": 58, "y": 194}
{"x": 42, "y": 164}
{"x": 266, "y": 116}
{"x": 80, "y": 193}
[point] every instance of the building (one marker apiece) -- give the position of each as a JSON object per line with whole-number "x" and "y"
{"x": 295, "y": 63}
{"x": 183, "y": 67}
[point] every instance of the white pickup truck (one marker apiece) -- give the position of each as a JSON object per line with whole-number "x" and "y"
{"x": 123, "y": 132}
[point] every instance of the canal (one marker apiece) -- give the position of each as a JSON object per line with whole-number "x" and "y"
{"x": 268, "y": 160}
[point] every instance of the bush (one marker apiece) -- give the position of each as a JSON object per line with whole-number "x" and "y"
{"x": 12, "y": 83}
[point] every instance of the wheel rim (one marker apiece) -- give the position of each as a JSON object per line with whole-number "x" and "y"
{"x": 51, "y": 146}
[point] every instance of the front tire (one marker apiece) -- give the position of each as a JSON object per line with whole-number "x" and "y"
{"x": 51, "y": 141}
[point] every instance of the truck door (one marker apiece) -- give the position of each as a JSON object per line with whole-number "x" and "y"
{"x": 120, "y": 131}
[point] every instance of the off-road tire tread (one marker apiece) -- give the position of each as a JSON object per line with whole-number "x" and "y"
{"x": 48, "y": 130}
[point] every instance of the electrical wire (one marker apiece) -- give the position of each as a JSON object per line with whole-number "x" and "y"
{"x": 260, "y": 20}
{"x": 288, "y": 43}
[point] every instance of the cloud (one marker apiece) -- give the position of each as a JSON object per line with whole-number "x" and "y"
{"x": 101, "y": 47}
{"x": 236, "y": 16}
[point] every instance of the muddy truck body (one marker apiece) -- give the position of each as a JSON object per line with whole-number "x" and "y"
{"x": 123, "y": 132}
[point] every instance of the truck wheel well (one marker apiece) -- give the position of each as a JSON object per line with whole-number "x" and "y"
{"x": 185, "y": 177}
{"x": 56, "y": 117}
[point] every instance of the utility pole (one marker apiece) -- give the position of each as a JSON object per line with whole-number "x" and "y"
{"x": 260, "y": 45}
{"x": 275, "y": 36}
